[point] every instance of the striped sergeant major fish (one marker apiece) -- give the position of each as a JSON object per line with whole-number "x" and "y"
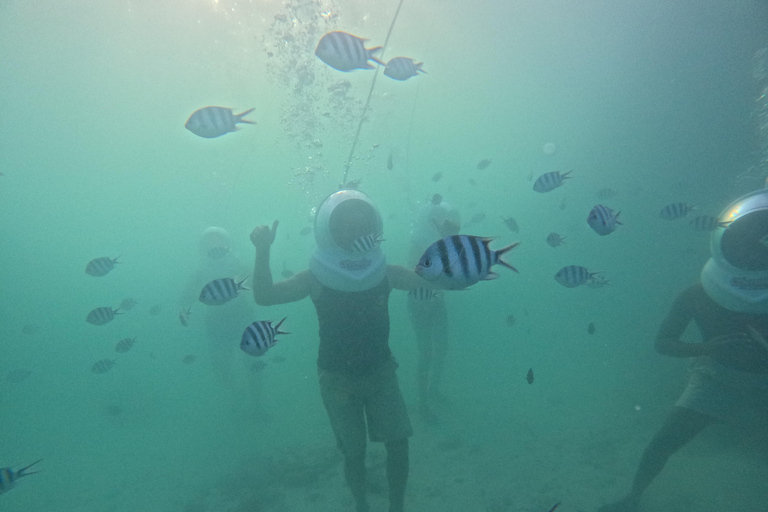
{"x": 676, "y": 211}
{"x": 707, "y": 223}
{"x": 367, "y": 243}
{"x": 458, "y": 261}
{"x": 99, "y": 267}
{"x": 8, "y": 477}
{"x": 102, "y": 315}
{"x": 212, "y": 122}
{"x": 554, "y": 239}
{"x": 402, "y": 68}
{"x": 125, "y": 344}
{"x": 260, "y": 336}
{"x": 574, "y": 275}
{"x": 422, "y": 294}
{"x": 103, "y": 365}
{"x": 346, "y": 52}
{"x": 602, "y": 220}
{"x": 550, "y": 181}
{"x": 221, "y": 291}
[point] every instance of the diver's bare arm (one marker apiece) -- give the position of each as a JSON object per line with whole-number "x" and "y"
{"x": 401, "y": 278}
{"x": 267, "y": 293}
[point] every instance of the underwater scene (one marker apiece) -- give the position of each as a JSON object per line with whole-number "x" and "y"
{"x": 347, "y": 255}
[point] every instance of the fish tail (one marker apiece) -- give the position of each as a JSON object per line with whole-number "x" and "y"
{"x": 277, "y": 327}
{"x": 617, "y": 217}
{"x": 239, "y": 117}
{"x": 240, "y": 284}
{"x": 504, "y": 250}
{"x": 23, "y": 471}
{"x": 371, "y": 52}
{"x": 565, "y": 175}
{"x": 418, "y": 67}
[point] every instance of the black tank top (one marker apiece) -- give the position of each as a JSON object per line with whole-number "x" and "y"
{"x": 354, "y": 329}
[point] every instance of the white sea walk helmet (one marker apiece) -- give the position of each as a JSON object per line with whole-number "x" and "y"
{"x": 736, "y": 276}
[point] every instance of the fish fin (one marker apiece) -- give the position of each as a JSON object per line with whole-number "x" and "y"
{"x": 418, "y": 67}
{"x": 502, "y": 251}
{"x": 240, "y": 284}
{"x": 23, "y": 471}
{"x": 491, "y": 276}
{"x": 617, "y": 217}
{"x": 239, "y": 117}
{"x": 371, "y": 55}
{"x": 565, "y": 174}
{"x": 277, "y": 327}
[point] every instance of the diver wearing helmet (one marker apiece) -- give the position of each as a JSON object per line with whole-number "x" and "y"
{"x": 349, "y": 283}
{"x": 429, "y": 317}
{"x": 729, "y": 379}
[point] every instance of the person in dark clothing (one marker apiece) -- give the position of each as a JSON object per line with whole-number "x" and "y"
{"x": 349, "y": 283}
{"x": 729, "y": 377}
{"x": 427, "y": 311}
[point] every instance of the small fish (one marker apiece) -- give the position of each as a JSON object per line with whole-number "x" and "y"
{"x": 511, "y": 320}
{"x": 260, "y": 336}
{"x": 9, "y": 477}
{"x": 511, "y": 224}
{"x": 124, "y": 345}
{"x": 102, "y": 315}
{"x": 346, "y": 52}
{"x": 103, "y": 365}
{"x": 367, "y": 243}
{"x": 436, "y": 177}
{"x": 573, "y": 276}
{"x": 188, "y": 359}
{"x": 529, "y": 376}
{"x": 554, "y": 240}
{"x": 17, "y": 375}
{"x": 606, "y": 193}
{"x": 30, "y": 329}
{"x": 424, "y": 294}
{"x": 184, "y": 316}
{"x": 478, "y": 217}
{"x": 550, "y": 181}
{"x": 221, "y": 291}
{"x": 597, "y": 282}
{"x": 155, "y": 310}
{"x": 553, "y": 508}
{"x": 676, "y": 211}
{"x": 128, "y": 304}
{"x": 402, "y": 68}
{"x": 602, "y": 220}
{"x": 258, "y": 366}
{"x": 591, "y": 328}
{"x": 707, "y": 223}
{"x": 482, "y": 164}
{"x": 100, "y": 267}
{"x": 458, "y": 261}
{"x": 436, "y": 199}
{"x": 218, "y": 252}
{"x": 305, "y": 231}
{"x": 390, "y": 163}
{"x": 212, "y": 122}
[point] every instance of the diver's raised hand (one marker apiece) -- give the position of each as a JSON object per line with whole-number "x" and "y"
{"x": 262, "y": 236}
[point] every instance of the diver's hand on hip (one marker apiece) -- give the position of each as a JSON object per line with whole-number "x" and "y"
{"x": 262, "y": 236}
